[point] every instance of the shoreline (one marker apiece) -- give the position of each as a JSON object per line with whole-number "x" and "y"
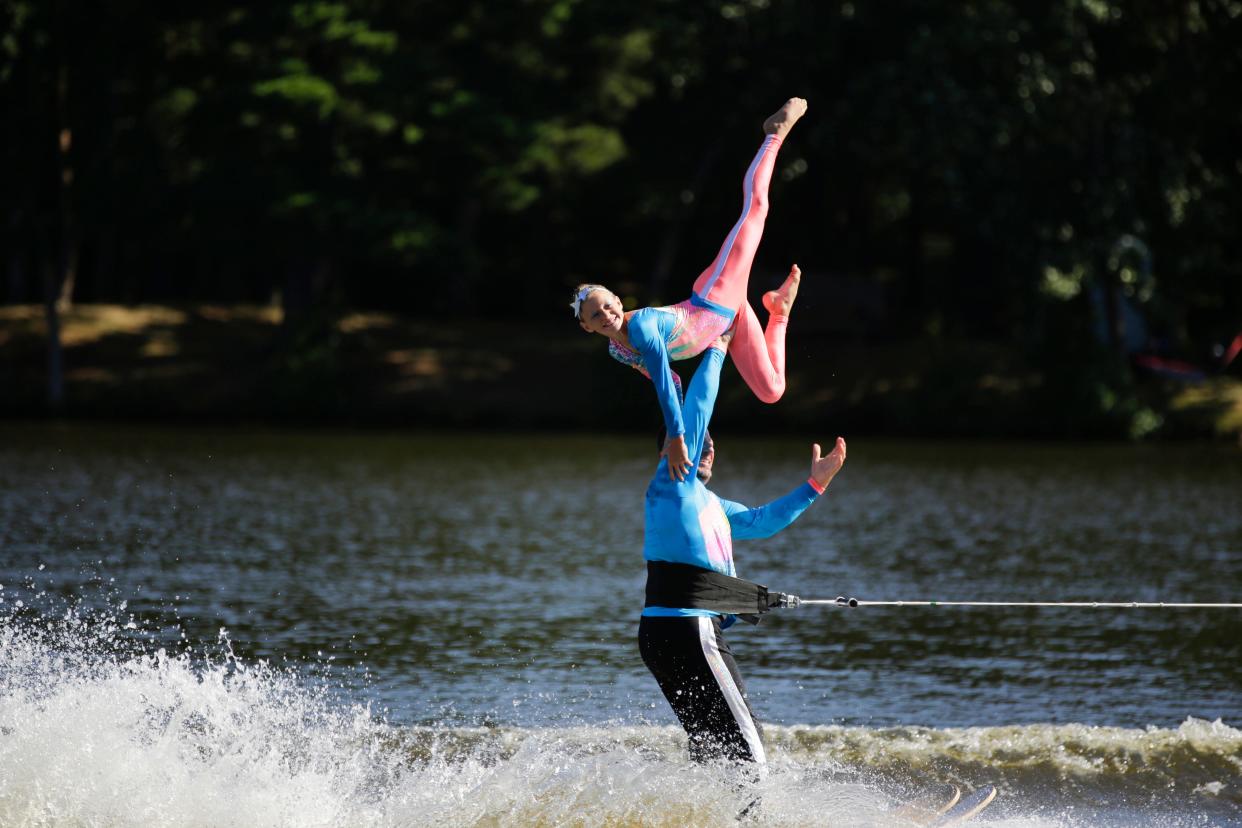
{"x": 238, "y": 366}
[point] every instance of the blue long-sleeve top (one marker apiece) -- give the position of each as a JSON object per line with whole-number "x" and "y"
{"x": 685, "y": 522}
{"x": 660, "y": 335}
{"x": 649, "y": 331}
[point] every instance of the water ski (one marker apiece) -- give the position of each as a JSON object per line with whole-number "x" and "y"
{"x": 929, "y": 806}
{"x": 945, "y": 806}
{"x": 967, "y": 808}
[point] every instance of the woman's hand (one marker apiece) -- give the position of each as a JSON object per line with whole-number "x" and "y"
{"x": 678, "y": 457}
{"x": 823, "y": 469}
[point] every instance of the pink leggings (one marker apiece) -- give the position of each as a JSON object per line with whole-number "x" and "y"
{"x": 758, "y": 354}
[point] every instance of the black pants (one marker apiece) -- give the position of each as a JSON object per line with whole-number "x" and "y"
{"x": 695, "y": 669}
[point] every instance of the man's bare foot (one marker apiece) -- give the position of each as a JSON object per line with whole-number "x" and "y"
{"x": 780, "y": 301}
{"x": 783, "y": 120}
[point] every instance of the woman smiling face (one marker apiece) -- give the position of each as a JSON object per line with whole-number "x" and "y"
{"x": 602, "y": 313}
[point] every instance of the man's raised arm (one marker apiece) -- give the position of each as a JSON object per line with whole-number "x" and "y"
{"x": 701, "y": 399}
{"x": 699, "y": 403}
{"x": 765, "y": 521}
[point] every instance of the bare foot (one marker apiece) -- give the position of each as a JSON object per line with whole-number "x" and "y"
{"x": 780, "y": 301}
{"x": 783, "y": 120}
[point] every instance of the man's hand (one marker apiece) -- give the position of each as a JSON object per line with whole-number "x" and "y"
{"x": 823, "y": 469}
{"x": 678, "y": 457}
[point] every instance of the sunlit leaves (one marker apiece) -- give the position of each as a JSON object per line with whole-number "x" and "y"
{"x": 626, "y": 81}
{"x": 14, "y": 18}
{"x": 301, "y": 89}
{"x": 581, "y": 149}
{"x": 1062, "y": 285}
{"x": 333, "y": 22}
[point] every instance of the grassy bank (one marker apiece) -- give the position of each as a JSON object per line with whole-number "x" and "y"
{"x": 242, "y": 363}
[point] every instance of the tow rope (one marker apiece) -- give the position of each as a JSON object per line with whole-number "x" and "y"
{"x": 682, "y": 585}
{"x": 841, "y": 601}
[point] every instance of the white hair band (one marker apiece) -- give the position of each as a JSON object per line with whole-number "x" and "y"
{"x": 581, "y": 297}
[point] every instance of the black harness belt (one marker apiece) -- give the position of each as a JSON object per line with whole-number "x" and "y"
{"x": 682, "y": 586}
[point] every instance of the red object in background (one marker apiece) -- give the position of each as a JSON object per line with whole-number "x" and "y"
{"x": 1230, "y": 354}
{"x": 1172, "y": 368}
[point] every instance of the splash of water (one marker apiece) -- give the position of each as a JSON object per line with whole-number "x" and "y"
{"x": 98, "y": 727}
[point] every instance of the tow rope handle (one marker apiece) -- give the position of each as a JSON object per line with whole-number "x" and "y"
{"x": 783, "y": 600}
{"x": 787, "y": 600}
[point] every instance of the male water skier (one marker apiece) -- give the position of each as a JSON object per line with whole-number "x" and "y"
{"x": 688, "y": 543}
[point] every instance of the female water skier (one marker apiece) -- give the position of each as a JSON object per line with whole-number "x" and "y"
{"x": 649, "y": 337}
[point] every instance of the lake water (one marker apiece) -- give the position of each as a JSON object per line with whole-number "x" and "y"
{"x": 228, "y": 627}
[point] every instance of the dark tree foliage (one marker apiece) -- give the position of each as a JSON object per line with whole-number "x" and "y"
{"x": 979, "y": 160}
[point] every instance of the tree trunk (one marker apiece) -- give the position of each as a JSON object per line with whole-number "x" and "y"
{"x": 58, "y": 278}
{"x": 67, "y": 259}
{"x": 1101, "y": 153}
{"x": 930, "y": 313}
{"x": 55, "y": 353}
{"x": 17, "y": 290}
{"x": 105, "y": 265}
{"x": 306, "y": 282}
{"x": 462, "y": 290}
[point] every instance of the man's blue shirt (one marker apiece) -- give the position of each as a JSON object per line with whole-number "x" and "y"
{"x": 688, "y": 524}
